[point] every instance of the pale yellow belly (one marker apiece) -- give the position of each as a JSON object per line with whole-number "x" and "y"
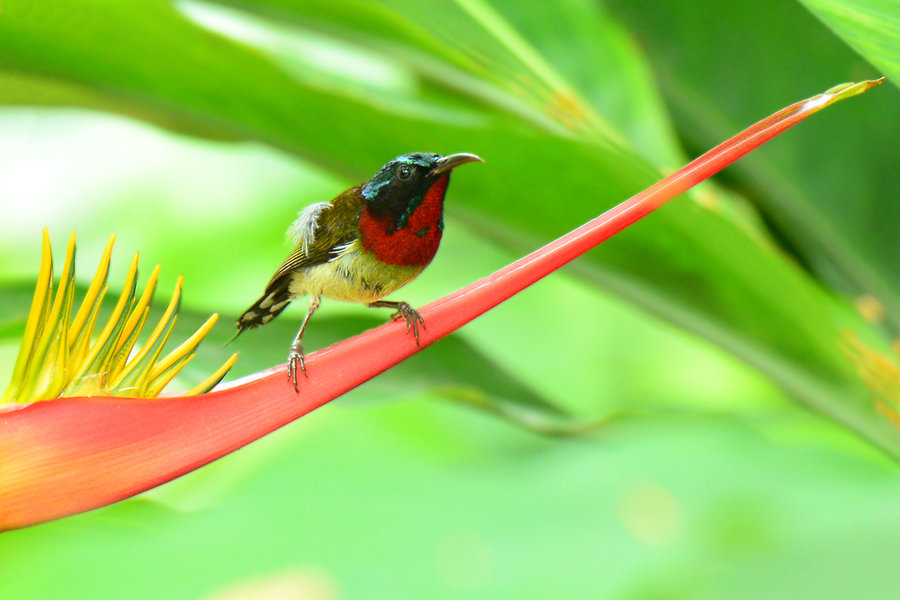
{"x": 353, "y": 276}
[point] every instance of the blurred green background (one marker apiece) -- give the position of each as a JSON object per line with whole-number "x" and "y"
{"x": 196, "y": 131}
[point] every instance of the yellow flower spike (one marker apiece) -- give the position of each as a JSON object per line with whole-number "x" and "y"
{"x": 167, "y": 368}
{"x": 78, "y": 350}
{"x": 134, "y": 376}
{"x": 112, "y": 332}
{"x": 91, "y": 378}
{"x": 156, "y": 385}
{"x": 133, "y": 326}
{"x": 118, "y": 359}
{"x": 143, "y": 384}
{"x": 46, "y": 373}
{"x": 80, "y": 332}
{"x": 214, "y": 379}
{"x": 33, "y": 326}
{"x": 57, "y": 357}
{"x": 56, "y": 367}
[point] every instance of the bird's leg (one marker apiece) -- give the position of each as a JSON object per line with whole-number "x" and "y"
{"x": 295, "y": 356}
{"x": 405, "y": 312}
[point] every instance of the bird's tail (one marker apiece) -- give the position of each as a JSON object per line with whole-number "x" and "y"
{"x": 275, "y": 299}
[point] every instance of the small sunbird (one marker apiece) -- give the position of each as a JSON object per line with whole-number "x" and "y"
{"x": 367, "y": 242}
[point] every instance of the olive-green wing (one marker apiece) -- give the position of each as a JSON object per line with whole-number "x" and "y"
{"x": 320, "y": 229}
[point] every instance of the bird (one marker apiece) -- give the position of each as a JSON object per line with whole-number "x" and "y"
{"x": 367, "y": 242}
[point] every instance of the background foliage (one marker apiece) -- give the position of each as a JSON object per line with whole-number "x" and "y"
{"x": 705, "y": 323}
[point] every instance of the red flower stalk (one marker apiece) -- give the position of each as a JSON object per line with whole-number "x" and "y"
{"x": 64, "y": 456}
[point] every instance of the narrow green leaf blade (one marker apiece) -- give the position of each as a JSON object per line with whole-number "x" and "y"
{"x": 871, "y": 27}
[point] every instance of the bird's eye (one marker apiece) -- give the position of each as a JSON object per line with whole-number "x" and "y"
{"x": 404, "y": 171}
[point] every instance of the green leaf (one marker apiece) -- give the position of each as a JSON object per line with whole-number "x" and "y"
{"x": 829, "y": 195}
{"x": 871, "y": 27}
{"x": 594, "y": 54}
{"x": 579, "y": 72}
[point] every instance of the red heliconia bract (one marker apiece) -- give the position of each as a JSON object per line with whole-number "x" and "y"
{"x": 64, "y": 456}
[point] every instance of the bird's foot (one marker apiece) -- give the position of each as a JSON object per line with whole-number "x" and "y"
{"x": 296, "y": 361}
{"x": 411, "y": 316}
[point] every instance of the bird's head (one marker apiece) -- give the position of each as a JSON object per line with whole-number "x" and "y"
{"x": 400, "y": 186}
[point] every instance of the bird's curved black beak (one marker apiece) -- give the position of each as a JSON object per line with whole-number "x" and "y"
{"x": 445, "y": 163}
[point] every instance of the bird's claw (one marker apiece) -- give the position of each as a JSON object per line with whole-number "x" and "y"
{"x": 296, "y": 359}
{"x": 412, "y": 318}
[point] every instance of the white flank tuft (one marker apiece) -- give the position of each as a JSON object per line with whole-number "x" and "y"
{"x": 303, "y": 231}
